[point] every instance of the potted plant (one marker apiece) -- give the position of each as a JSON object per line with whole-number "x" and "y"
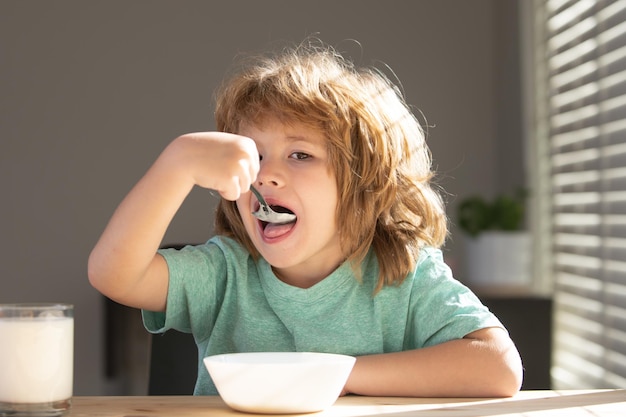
{"x": 498, "y": 246}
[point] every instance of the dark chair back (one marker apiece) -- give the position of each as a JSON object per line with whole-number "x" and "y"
{"x": 173, "y": 364}
{"x": 173, "y": 359}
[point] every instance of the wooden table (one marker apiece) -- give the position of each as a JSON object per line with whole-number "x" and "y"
{"x": 597, "y": 403}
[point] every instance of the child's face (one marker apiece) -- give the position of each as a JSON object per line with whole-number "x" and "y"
{"x": 295, "y": 174}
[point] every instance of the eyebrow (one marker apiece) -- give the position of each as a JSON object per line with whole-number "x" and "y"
{"x": 307, "y": 139}
{"x": 294, "y": 138}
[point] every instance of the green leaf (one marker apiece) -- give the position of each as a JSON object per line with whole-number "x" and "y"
{"x": 476, "y": 215}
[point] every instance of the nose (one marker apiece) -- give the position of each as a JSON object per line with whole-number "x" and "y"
{"x": 270, "y": 173}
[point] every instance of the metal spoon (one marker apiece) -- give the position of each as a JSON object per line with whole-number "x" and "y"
{"x": 266, "y": 214}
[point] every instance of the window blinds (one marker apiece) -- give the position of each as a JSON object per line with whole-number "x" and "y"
{"x": 580, "y": 105}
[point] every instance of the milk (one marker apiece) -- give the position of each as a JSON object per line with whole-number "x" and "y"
{"x": 36, "y": 359}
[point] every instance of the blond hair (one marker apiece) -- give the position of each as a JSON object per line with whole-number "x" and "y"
{"x": 376, "y": 148}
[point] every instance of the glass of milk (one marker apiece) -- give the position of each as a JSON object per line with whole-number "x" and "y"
{"x": 36, "y": 359}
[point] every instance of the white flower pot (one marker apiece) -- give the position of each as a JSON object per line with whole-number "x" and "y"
{"x": 497, "y": 258}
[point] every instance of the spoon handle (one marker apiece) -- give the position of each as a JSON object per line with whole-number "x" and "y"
{"x": 259, "y": 197}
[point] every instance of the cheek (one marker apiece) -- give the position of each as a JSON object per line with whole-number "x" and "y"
{"x": 245, "y": 213}
{"x": 327, "y": 206}
{"x": 240, "y": 206}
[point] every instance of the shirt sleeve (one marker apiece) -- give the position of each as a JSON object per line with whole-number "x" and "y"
{"x": 195, "y": 278}
{"x": 442, "y": 308}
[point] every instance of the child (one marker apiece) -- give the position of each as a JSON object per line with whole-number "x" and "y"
{"x": 358, "y": 272}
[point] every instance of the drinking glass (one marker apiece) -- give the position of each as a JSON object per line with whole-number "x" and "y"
{"x": 36, "y": 359}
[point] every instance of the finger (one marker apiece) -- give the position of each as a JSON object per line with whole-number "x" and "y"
{"x": 248, "y": 174}
{"x": 252, "y": 167}
{"x": 233, "y": 190}
{"x": 256, "y": 164}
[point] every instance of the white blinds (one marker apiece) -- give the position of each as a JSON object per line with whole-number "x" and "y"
{"x": 580, "y": 79}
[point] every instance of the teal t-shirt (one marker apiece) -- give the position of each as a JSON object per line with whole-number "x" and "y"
{"x": 233, "y": 304}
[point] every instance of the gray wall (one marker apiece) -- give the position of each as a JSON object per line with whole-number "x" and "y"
{"x": 91, "y": 92}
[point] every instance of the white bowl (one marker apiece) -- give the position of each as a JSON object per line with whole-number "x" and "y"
{"x": 279, "y": 382}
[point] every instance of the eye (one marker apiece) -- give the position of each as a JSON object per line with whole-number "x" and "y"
{"x": 300, "y": 156}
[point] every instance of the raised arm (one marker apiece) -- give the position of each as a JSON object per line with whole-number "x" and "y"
{"x": 485, "y": 363}
{"x": 124, "y": 264}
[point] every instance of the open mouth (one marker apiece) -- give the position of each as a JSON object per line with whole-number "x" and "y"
{"x": 281, "y": 209}
{"x": 276, "y": 230}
